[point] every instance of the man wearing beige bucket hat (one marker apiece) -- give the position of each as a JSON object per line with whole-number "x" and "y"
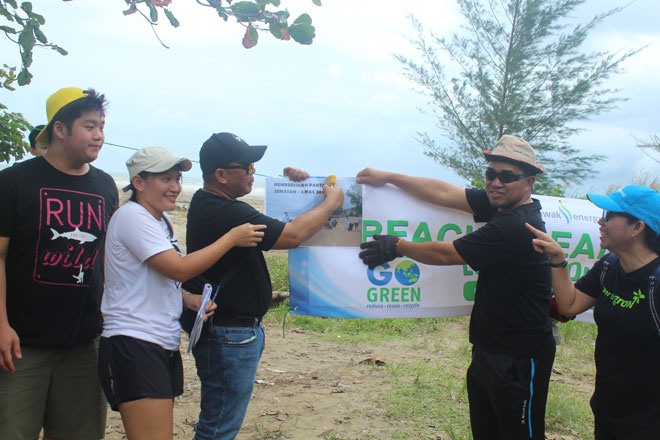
{"x": 510, "y": 328}
{"x": 55, "y": 211}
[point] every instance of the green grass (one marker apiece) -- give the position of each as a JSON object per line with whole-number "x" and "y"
{"x": 431, "y": 396}
{"x": 278, "y": 266}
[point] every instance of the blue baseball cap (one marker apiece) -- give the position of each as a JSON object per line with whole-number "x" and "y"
{"x": 637, "y": 200}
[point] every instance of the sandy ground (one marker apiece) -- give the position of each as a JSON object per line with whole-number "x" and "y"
{"x": 306, "y": 388}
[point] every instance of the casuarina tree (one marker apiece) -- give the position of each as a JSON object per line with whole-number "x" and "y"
{"x": 519, "y": 70}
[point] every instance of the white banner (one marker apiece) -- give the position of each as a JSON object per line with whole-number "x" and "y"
{"x": 330, "y": 280}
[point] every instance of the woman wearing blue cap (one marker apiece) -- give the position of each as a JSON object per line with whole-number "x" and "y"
{"x": 623, "y": 289}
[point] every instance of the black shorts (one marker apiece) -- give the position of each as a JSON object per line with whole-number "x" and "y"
{"x": 132, "y": 369}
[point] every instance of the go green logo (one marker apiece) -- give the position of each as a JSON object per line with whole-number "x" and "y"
{"x": 404, "y": 276}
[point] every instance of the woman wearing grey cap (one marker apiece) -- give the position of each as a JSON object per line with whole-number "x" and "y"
{"x": 139, "y": 362}
{"x": 622, "y": 287}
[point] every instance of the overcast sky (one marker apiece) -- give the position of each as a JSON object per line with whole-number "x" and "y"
{"x": 331, "y": 108}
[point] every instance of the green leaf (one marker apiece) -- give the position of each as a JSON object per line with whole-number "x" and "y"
{"x": 222, "y": 13}
{"x": 26, "y": 6}
{"x": 8, "y": 29}
{"x": 303, "y": 19}
{"x": 246, "y": 11}
{"x": 153, "y": 12}
{"x": 40, "y": 18}
{"x": 173, "y": 21}
{"x": 26, "y": 38}
{"x": 12, "y": 3}
{"x": 302, "y": 30}
{"x": 24, "y": 77}
{"x": 317, "y": 2}
{"x": 59, "y": 49}
{"x": 131, "y": 10}
{"x": 282, "y": 16}
{"x": 6, "y": 14}
{"x": 279, "y": 31}
{"x": 251, "y": 37}
{"x": 26, "y": 58}
{"x": 40, "y": 36}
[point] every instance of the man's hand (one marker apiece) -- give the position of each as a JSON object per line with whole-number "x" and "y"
{"x": 372, "y": 176}
{"x": 295, "y": 174}
{"x": 8, "y": 341}
{"x": 382, "y": 249}
{"x": 334, "y": 194}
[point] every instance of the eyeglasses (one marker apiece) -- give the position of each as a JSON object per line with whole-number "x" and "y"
{"x": 505, "y": 176}
{"x": 249, "y": 168}
{"x": 607, "y": 215}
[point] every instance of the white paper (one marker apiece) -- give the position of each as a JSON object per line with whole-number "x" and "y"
{"x": 199, "y": 320}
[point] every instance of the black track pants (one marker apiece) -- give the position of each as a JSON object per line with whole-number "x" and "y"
{"x": 508, "y": 394}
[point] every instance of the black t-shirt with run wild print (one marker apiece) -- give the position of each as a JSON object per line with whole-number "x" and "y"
{"x": 511, "y": 307}
{"x": 627, "y": 353}
{"x": 56, "y": 224}
{"x": 248, "y": 292}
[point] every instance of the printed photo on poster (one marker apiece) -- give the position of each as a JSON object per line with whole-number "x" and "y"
{"x": 285, "y": 200}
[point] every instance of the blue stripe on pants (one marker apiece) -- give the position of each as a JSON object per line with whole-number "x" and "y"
{"x": 531, "y": 394}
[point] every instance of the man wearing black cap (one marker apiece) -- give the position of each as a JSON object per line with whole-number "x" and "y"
{"x": 228, "y": 353}
{"x": 510, "y": 328}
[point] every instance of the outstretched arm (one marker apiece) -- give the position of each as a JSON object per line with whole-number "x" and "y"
{"x": 9, "y": 340}
{"x": 307, "y": 224}
{"x": 384, "y": 248}
{"x": 176, "y": 267}
{"x": 570, "y": 301}
{"x": 429, "y": 190}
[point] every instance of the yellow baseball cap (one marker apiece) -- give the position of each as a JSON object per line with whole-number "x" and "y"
{"x": 55, "y": 103}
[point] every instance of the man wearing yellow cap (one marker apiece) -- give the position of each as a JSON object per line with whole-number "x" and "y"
{"x": 55, "y": 211}
{"x": 510, "y": 330}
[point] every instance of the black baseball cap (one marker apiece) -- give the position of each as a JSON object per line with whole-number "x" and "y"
{"x": 221, "y": 149}
{"x": 33, "y": 135}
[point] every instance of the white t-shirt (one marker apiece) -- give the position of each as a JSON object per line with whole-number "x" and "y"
{"x": 137, "y": 300}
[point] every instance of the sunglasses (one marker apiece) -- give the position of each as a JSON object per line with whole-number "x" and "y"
{"x": 505, "y": 176}
{"x": 607, "y": 215}
{"x": 249, "y": 168}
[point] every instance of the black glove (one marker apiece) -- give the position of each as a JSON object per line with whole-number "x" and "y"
{"x": 381, "y": 250}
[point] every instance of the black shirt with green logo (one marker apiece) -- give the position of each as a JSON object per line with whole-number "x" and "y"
{"x": 627, "y": 393}
{"x": 510, "y": 313}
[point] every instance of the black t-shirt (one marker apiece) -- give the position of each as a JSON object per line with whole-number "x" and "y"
{"x": 627, "y": 352}
{"x": 510, "y": 313}
{"x": 56, "y": 224}
{"x": 248, "y": 292}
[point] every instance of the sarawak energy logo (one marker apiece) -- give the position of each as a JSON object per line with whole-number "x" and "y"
{"x": 395, "y": 287}
{"x": 564, "y": 213}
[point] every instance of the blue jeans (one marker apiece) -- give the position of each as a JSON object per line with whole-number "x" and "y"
{"x": 227, "y": 360}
